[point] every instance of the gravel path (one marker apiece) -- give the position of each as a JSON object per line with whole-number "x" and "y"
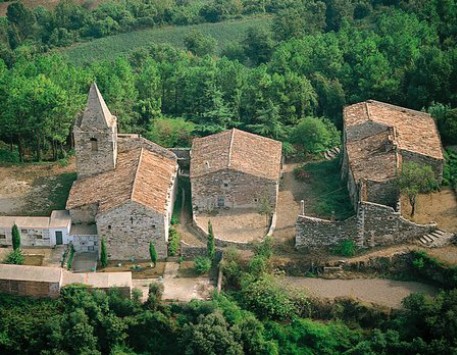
{"x": 379, "y": 291}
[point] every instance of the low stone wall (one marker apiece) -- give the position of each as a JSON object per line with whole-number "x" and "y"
{"x": 191, "y": 251}
{"x": 383, "y": 225}
{"x": 312, "y": 231}
{"x": 374, "y": 225}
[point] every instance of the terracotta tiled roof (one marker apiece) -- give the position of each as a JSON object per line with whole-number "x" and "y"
{"x": 373, "y": 158}
{"x": 237, "y": 150}
{"x": 141, "y": 175}
{"x": 415, "y": 131}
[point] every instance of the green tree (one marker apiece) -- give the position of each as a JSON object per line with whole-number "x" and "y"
{"x": 210, "y": 244}
{"x": 314, "y": 135}
{"x": 200, "y": 44}
{"x": 16, "y": 237}
{"x": 103, "y": 254}
{"x": 152, "y": 253}
{"x": 415, "y": 179}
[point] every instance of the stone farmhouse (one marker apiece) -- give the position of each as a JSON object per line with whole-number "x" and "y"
{"x": 125, "y": 189}
{"x": 234, "y": 169}
{"x": 377, "y": 139}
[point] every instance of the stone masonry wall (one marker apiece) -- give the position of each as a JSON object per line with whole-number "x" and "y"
{"x": 384, "y": 226}
{"x": 83, "y": 214}
{"x": 35, "y": 237}
{"x": 129, "y": 228}
{"x": 381, "y": 225}
{"x": 384, "y": 193}
{"x": 89, "y": 161}
{"x": 233, "y": 188}
{"x": 30, "y": 288}
{"x": 312, "y": 232}
{"x": 437, "y": 165}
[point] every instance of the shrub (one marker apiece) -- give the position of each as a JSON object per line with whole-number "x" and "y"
{"x": 202, "y": 264}
{"x": 16, "y": 237}
{"x": 15, "y": 257}
{"x": 210, "y": 245}
{"x": 70, "y": 257}
{"x": 267, "y": 300}
{"x": 346, "y": 248}
{"x": 8, "y": 156}
{"x": 103, "y": 254}
{"x": 173, "y": 242}
{"x": 153, "y": 253}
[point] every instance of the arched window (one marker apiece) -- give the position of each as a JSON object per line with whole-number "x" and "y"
{"x": 94, "y": 144}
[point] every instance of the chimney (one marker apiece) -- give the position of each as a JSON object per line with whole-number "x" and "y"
{"x": 302, "y": 207}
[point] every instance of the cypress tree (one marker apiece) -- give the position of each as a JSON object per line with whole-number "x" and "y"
{"x": 210, "y": 246}
{"x": 16, "y": 237}
{"x": 103, "y": 255}
{"x": 153, "y": 253}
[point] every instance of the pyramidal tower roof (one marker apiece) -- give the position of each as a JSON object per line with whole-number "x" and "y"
{"x": 96, "y": 113}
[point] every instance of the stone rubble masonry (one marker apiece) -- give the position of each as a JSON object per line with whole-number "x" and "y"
{"x": 376, "y": 224}
{"x": 129, "y": 228}
{"x": 229, "y": 188}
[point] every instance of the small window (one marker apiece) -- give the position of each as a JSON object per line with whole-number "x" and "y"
{"x": 2, "y": 236}
{"x": 109, "y": 226}
{"x": 220, "y": 201}
{"x": 153, "y": 226}
{"x": 94, "y": 144}
{"x": 38, "y": 236}
{"x": 131, "y": 220}
{"x": 256, "y": 200}
{"x": 225, "y": 184}
{"x": 24, "y": 231}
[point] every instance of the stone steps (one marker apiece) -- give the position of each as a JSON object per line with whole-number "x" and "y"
{"x": 435, "y": 239}
{"x": 332, "y": 153}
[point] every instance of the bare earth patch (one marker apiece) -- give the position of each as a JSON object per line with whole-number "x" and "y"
{"x": 236, "y": 225}
{"x": 35, "y": 189}
{"x": 439, "y": 207}
{"x": 145, "y": 270}
{"x": 378, "y": 291}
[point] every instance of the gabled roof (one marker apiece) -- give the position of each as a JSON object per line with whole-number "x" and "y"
{"x": 237, "y": 150}
{"x": 414, "y": 131}
{"x": 373, "y": 158}
{"x": 141, "y": 175}
{"x": 96, "y": 113}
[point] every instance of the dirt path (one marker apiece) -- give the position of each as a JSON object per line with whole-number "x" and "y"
{"x": 184, "y": 228}
{"x": 379, "y": 291}
{"x": 291, "y": 192}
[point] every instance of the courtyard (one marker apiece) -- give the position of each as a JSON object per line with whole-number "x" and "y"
{"x": 236, "y": 225}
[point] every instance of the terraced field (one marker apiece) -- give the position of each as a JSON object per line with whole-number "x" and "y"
{"x": 122, "y": 44}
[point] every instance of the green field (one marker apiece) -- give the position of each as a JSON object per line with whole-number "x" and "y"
{"x": 119, "y": 45}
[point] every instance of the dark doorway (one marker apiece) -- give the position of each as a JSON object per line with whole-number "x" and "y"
{"x": 59, "y": 239}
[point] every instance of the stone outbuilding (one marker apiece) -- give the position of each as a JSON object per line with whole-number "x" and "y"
{"x": 377, "y": 139}
{"x": 234, "y": 169}
{"x": 37, "y": 231}
{"x": 126, "y": 186}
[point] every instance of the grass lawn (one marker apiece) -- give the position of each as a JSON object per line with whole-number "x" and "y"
{"x": 122, "y": 44}
{"x": 326, "y": 193}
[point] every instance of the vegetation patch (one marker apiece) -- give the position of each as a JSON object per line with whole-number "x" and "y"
{"x": 327, "y": 194}
{"x": 123, "y": 44}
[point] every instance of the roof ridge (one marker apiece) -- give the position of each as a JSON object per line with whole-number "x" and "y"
{"x": 399, "y": 108}
{"x": 230, "y": 148}
{"x": 136, "y": 174}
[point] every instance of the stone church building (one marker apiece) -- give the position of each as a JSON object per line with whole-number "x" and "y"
{"x": 234, "y": 169}
{"x": 125, "y": 189}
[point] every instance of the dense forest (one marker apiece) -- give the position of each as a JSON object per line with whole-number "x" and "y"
{"x": 253, "y": 316}
{"x": 316, "y": 57}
